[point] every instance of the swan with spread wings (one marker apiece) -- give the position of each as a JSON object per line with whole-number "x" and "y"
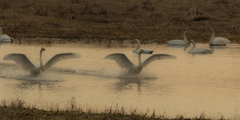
{"x": 125, "y": 63}
{"x": 26, "y": 64}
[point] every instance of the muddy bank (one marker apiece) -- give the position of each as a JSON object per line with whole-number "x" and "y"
{"x": 146, "y": 20}
{"x": 92, "y": 42}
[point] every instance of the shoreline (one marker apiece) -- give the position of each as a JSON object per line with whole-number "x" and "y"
{"x": 17, "y": 109}
{"x": 106, "y": 42}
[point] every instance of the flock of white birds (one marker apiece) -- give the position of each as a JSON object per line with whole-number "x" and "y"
{"x": 121, "y": 59}
{"x": 214, "y": 41}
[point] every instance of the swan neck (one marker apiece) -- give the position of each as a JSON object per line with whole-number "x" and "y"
{"x": 138, "y": 46}
{"x": 139, "y": 58}
{"x": 194, "y": 46}
{"x": 41, "y": 63}
{"x": 185, "y": 38}
{"x": 212, "y": 38}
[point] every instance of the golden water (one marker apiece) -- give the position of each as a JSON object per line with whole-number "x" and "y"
{"x": 188, "y": 85}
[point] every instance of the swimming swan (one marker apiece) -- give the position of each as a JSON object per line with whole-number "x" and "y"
{"x": 125, "y": 63}
{"x": 137, "y": 50}
{"x": 199, "y": 50}
{"x": 217, "y": 41}
{"x": 179, "y": 42}
{"x": 26, "y": 64}
{"x": 4, "y": 38}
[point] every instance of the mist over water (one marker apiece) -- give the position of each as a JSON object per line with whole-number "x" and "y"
{"x": 188, "y": 85}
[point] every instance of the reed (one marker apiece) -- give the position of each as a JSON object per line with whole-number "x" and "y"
{"x": 18, "y": 109}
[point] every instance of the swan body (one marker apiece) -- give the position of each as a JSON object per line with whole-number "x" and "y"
{"x": 179, "y": 42}
{"x": 217, "y": 41}
{"x": 4, "y": 38}
{"x": 199, "y": 50}
{"x": 26, "y": 64}
{"x": 125, "y": 63}
{"x": 137, "y": 50}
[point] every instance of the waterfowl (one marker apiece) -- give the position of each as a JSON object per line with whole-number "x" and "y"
{"x": 26, "y": 64}
{"x": 125, "y": 63}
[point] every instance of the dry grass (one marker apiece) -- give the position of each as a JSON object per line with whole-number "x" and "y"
{"x": 157, "y": 20}
{"x": 17, "y": 109}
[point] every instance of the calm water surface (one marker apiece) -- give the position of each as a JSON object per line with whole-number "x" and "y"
{"x": 188, "y": 85}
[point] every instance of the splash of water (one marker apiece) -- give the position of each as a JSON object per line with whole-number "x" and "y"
{"x": 18, "y": 74}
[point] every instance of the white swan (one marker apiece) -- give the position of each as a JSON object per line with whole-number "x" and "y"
{"x": 4, "y": 38}
{"x": 179, "y": 42}
{"x": 137, "y": 50}
{"x": 217, "y": 41}
{"x": 26, "y": 64}
{"x": 125, "y": 63}
{"x": 195, "y": 50}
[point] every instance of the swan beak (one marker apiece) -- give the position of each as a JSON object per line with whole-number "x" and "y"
{"x": 210, "y": 28}
{"x": 11, "y": 40}
{"x": 43, "y": 49}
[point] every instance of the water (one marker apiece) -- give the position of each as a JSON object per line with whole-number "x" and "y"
{"x": 188, "y": 85}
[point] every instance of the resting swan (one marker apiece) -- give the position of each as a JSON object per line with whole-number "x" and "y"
{"x": 137, "y": 50}
{"x": 5, "y": 38}
{"x": 217, "y": 41}
{"x": 199, "y": 50}
{"x": 26, "y": 64}
{"x": 179, "y": 42}
{"x": 125, "y": 63}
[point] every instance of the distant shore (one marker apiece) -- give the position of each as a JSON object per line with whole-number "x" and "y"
{"x": 120, "y": 20}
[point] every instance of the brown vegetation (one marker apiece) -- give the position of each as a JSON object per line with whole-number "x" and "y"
{"x": 18, "y": 110}
{"x": 158, "y": 20}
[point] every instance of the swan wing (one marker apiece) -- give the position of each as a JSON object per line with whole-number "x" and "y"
{"x": 21, "y": 60}
{"x": 220, "y": 40}
{"x": 121, "y": 60}
{"x": 5, "y": 38}
{"x": 176, "y": 42}
{"x": 156, "y": 57}
{"x": 59, "y": 57}
{"x": 202, "y": 50}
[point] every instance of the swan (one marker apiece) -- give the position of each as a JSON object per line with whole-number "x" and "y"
{"x": 179, "y": 42}
{"x": 4, "y": 38}
{"x": 125, "y": 63}
{"x": 137, "y": 50}
{"x": 199, "y": 50}
{"x": 26, "y": 64}
{"x": 217, "y": 41}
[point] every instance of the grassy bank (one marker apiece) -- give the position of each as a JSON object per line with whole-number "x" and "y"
{"x": 18, "y": 109}
{"x": 157, "y": 20}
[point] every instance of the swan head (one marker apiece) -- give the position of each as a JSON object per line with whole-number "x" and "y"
{"x": 210, "y": 29}
{"x": 191, "y": 41}
{"x": 42, "y": 49}
{"x": 186, "y": 32}
{"x": 135, "y": 41}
